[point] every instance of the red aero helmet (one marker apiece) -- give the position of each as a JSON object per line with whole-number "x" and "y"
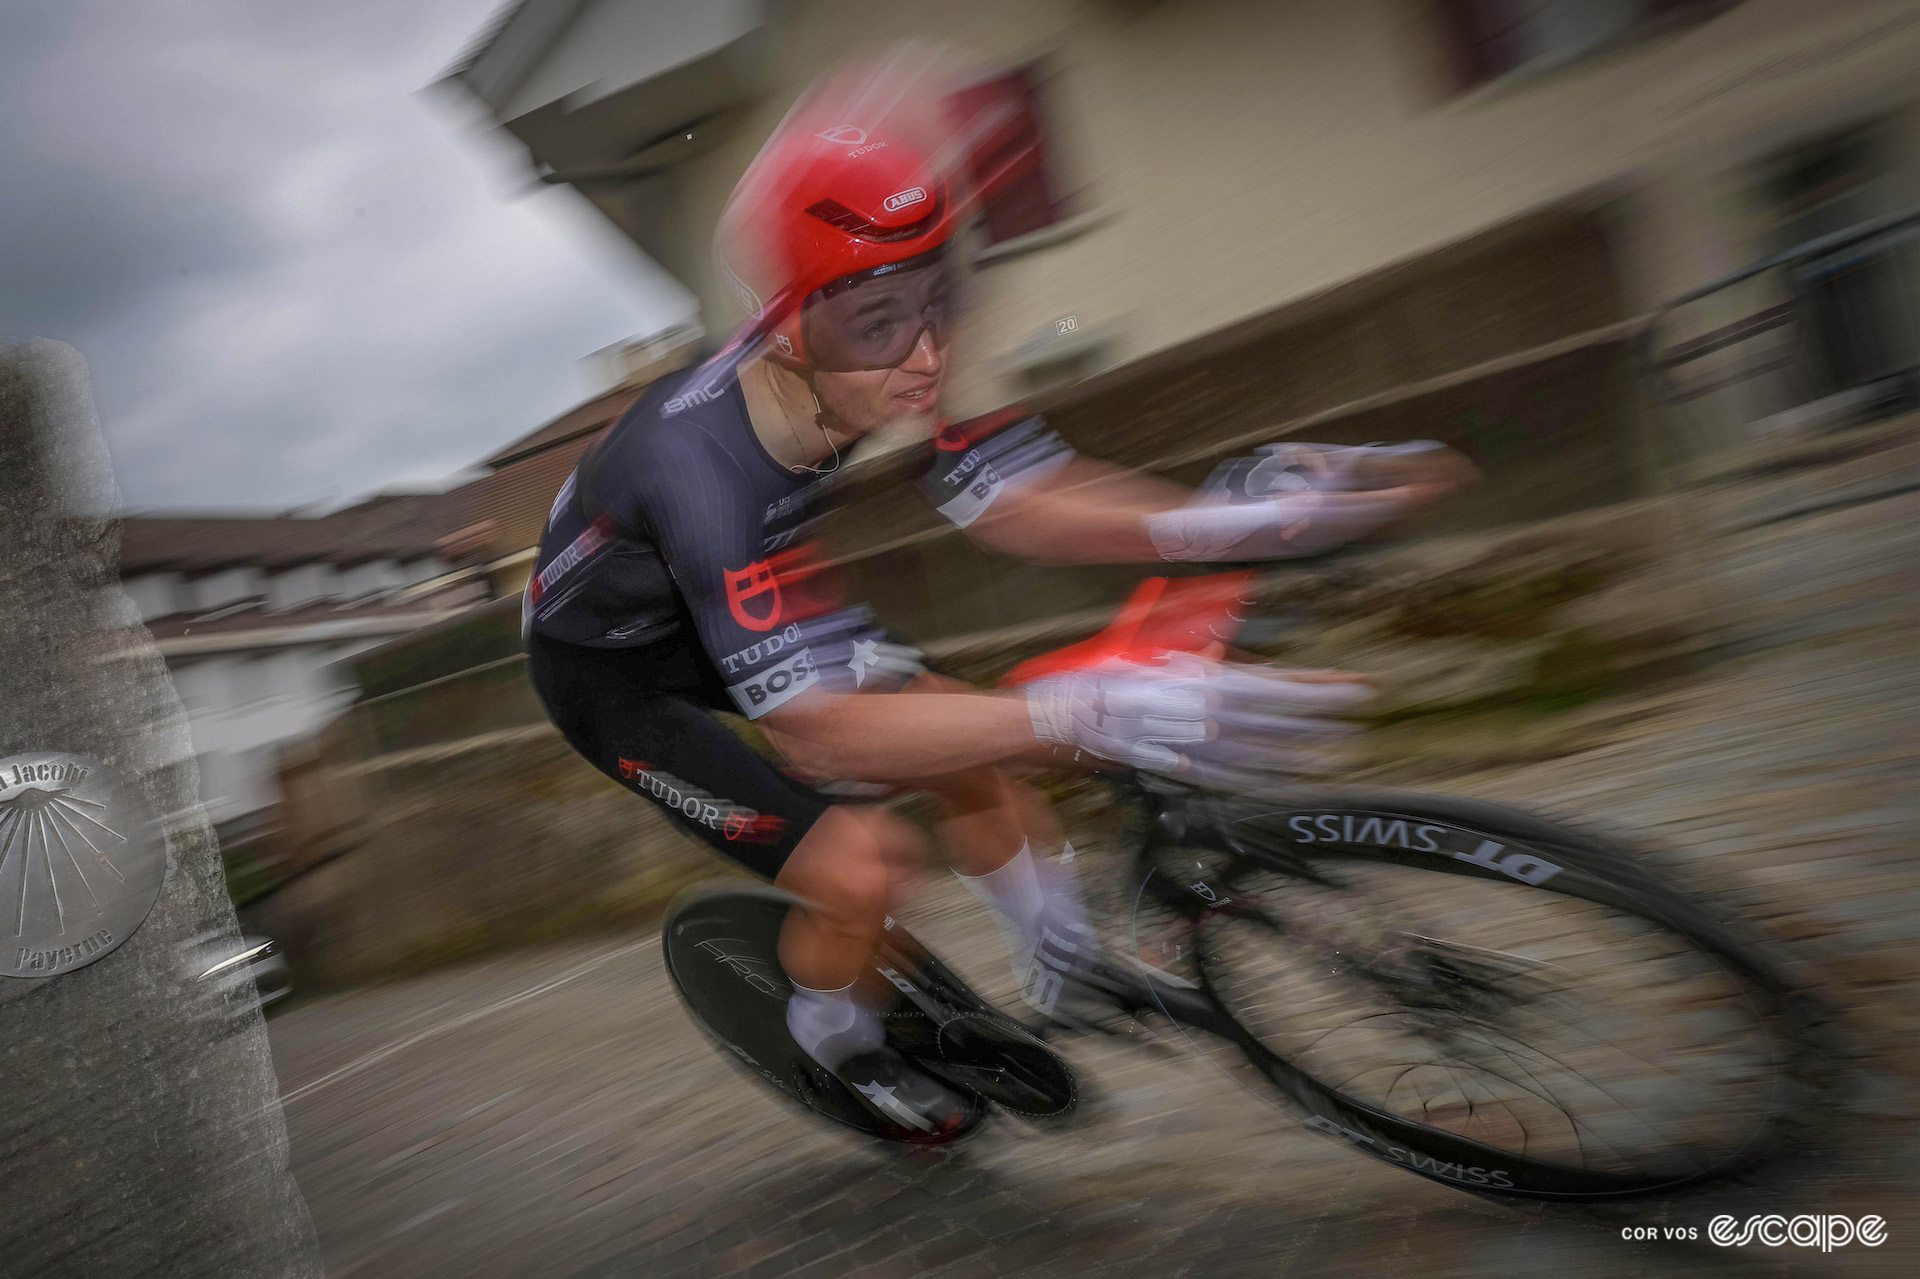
{"x": 822, "y": 206}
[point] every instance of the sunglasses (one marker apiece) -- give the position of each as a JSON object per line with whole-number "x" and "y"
{"x": 873, "y": 320}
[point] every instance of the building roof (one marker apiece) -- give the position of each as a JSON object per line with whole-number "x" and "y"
{"x": 483, "y": 39}
{"x": 396, "y": 526}
{"x": 580, "y": 420}
{"x": 516, "y": 498}
{"x": 255, "y": 616}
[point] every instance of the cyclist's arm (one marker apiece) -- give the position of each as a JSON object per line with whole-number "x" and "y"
{"x": 1092, "y": 512}
{"x": 899, "y": 739}
{"x": 1016, "y": 488}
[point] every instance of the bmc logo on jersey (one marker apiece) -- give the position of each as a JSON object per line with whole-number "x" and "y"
{"x": 904, "y": 199}
{"x": 753, "y": 596}
{"x": 703, "y": 394}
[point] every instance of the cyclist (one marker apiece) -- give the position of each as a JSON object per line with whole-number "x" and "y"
{"x": 659, "y": 596}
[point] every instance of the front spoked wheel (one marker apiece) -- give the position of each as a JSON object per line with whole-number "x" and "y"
{"x": 1485, "y": 998}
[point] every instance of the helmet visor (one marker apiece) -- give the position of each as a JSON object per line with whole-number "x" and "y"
{"x": 873, "y": 320}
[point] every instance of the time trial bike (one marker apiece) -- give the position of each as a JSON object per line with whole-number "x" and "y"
{"x": 1474, "y": 993}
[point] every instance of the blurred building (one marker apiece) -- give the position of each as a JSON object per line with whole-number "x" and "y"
{"x": 1444, "y": 218}
{"x": 1209, "y": 162}
{"x": 503, "y": 512}
{"x": 257, "y": 614}
{"x": 253, "y": 612}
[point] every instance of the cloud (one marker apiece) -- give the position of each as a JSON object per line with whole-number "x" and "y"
{"x": 292, "y": 273}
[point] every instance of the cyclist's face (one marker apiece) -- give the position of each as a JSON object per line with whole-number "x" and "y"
{"x": 874, "y": 321}
{"x": 867, "y": 400}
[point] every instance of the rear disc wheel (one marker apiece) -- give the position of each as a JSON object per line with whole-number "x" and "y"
{"x": 722, "y": 952}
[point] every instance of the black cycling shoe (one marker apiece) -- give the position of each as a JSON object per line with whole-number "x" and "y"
{"x": 904, "y": 1095}
{"x": 991, "y": 1054}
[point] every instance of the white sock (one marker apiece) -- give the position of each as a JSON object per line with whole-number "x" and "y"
{"x": 1042, "y": 919}
{"x": 830, "y": 1027}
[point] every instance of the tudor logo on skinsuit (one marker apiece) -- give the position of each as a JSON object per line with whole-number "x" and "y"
{"x": 982, "y": 484}
{"x": 847, "y": 134}
{"x": 753, "y": 596}
{"x": 903, "y": 199}
{"x": 735, "y": 822}
{"x": 760, "y": 651}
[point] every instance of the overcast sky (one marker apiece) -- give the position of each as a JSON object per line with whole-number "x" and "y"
{"x": 295, "y": 277}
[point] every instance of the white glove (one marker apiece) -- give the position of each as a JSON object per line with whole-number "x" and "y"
{"x": 1276, "y": 505}
{"x": 1215, "y": 724}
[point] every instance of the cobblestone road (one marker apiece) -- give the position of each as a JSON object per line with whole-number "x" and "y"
{"x": 555, "y": 1114}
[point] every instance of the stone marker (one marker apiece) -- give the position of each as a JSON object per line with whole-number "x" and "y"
{"x": 140, "y": 1124}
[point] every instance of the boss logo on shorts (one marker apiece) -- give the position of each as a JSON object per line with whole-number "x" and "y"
{"x": 735, "y": 822}
{"x": 776, "y": 685}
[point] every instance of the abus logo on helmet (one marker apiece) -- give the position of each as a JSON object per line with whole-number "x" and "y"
{"x": 848, "y": 134}
{"x": 1825, "y": 1231}
{"x": 902, "y": 199}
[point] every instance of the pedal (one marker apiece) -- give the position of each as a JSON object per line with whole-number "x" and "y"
{"x": 952, "y": 1033}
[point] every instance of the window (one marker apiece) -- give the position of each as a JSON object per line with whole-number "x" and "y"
{"x": 1011, "y": 166}
{"x": 1852, "y": 306}
{"x": 1488, "y": 39}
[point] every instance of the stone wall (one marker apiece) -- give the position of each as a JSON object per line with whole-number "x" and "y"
{"x": 143, "y": 1134}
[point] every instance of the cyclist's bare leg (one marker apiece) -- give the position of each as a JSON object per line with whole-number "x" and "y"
{"x": 849, "y": 870}
{"x": 989, "y": 815}
{"x": 997, "y": 830}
